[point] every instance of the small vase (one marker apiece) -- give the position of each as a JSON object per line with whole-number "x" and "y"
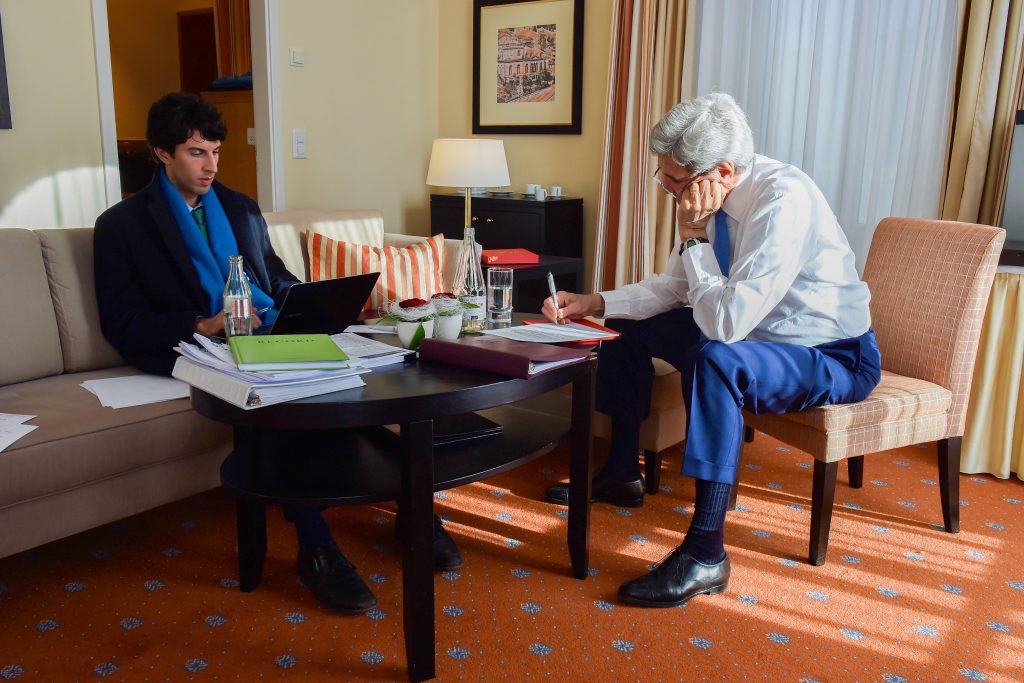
{"x": 448, "y": 326}
{"x": 410, "y": 334}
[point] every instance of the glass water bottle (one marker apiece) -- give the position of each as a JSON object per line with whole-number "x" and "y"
{"x": 469, "y": 283}
{"x": 237, "y": 301}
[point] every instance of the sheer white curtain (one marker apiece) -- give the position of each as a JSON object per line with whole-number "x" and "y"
{"x": 857, "y": 94}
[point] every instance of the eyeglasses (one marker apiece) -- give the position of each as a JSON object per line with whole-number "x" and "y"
{"x": 676, "y": 194}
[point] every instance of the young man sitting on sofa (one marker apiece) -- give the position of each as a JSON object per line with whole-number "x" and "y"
{"x": 161, "y": 258}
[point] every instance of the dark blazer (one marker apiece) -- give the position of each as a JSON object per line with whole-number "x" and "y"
{"x": 147, "y": 289}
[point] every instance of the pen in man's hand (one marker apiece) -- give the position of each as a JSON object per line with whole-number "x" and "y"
{"x": 554, "y": 297}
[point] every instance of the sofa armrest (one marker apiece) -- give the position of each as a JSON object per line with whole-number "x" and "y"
{"x": 451, "y": 252}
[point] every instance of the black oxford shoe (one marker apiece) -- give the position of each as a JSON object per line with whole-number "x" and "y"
{"x": 446, "y": 553}
{"x": 677, "y": 579}
{"x": 603, "y": 489}
{"x": 334, "y": 581}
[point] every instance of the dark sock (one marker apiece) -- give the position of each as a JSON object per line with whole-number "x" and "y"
{"x": 624, "y": 453}
{"x": 705, "y": 540}
{"x": 310, "y": 527}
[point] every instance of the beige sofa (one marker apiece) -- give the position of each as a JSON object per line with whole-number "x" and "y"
{"x": 86, "y": 465}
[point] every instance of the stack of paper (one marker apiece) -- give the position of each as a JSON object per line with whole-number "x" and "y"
{"x": 368, "y": 353}
{"x": 210, "y": 367}
{"x": 12, "y": 428}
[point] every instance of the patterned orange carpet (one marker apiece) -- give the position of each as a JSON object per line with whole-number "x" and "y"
{"x": 155, "y": 598}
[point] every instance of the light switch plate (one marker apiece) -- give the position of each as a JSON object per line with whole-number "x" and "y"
{"x": 298, "y": 143}
{"x": 296, "y": 56}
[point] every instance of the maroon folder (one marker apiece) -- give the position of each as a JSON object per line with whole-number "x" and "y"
{"x": 501, "y": 356}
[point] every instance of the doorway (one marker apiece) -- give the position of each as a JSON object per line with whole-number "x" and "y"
{"x": 162, "y": 46}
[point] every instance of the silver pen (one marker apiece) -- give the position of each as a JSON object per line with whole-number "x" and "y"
{"x": 554, "y": 296}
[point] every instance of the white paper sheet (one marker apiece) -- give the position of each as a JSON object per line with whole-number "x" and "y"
{"x": 135, "y": 390}
{"x": 368, "y": 353}
{"x": 12, "y": 419}
{"x": 371, "y": 329}
{"x": 550, "y": 333}
{"x": 11, "y": 431}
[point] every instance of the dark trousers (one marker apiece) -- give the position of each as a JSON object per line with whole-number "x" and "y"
{"x": 721, "y": 380}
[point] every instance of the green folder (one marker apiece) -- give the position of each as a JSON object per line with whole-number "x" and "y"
{"x": 271, "y": 352}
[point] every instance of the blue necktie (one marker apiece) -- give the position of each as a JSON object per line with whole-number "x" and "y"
{"x": 721, "y": 245}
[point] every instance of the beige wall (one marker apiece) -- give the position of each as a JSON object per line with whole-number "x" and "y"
{"x": 144, "y": 57}
{"x": 51, "y": 161}
{"x": 572, "y": 161}
{"x": 368, "y": 100}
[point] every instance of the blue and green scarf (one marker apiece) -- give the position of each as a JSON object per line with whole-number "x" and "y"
{"x": 211, "y": 259}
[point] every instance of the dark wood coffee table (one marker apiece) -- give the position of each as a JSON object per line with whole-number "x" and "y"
{"x": 371, "y": 465}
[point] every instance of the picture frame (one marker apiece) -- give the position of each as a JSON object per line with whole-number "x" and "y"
{"x": 527, "y": 66}
{"x": 6, "y": 122}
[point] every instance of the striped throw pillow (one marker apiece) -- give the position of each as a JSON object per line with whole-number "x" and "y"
{"x": 405, "y": 272}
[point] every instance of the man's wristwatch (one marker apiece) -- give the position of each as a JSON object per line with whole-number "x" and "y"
{"x": 692, "y": 242}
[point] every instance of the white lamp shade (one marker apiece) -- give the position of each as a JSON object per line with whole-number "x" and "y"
{"x": 478, "y": 162}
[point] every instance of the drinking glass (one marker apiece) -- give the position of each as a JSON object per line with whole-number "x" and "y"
{"x": 499, "y": 295}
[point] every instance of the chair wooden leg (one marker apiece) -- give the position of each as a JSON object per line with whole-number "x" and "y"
{"x": 823, "y": 495}
{"x": 856, "y": 467}
{"x": 949, "y": 482}
{"x": 734, "y": 490}
{"x": 748, "y": 434}
{"x": 652, "y": 470}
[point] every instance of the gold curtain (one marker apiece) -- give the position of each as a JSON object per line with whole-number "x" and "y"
{"x": 234, "y": 51}
{"x": 636, "y": 224}
{"x": 988, "y": 92}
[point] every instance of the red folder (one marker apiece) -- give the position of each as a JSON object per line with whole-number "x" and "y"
{"x": 501, "y": 356}
{"x": 492, "y": 257}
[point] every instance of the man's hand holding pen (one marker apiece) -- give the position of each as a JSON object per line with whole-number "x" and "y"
{"x": 562, "y": 307}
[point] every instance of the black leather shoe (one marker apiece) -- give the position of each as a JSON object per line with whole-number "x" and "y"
{"x": 677, "y": 579}
{"x": 603, "y": 489}
{"x": 334, "y": 581}
{"x": 446, "y": 553}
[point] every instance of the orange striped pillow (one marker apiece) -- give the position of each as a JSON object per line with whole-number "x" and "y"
{"x": 405, "y": 272}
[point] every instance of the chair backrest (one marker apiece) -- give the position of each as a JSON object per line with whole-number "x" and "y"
{"x": 930, "y": 283}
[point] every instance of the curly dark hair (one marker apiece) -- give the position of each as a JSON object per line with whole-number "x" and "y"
{"x": 175, "y": 116}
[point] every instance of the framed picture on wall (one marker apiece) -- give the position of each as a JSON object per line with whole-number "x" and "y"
{"x": 5, "y": 100}
{"x": 527, "y": 66}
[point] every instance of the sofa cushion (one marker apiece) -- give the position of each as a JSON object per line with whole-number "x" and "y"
{"x": 288, "y": 230}
{"x": 412, "y": 271}
{"x": 28, "y": 337}
{"x": 78, "y": 441}
{"x": 69, "y": 269}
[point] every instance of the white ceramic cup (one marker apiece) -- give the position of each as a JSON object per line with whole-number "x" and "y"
{"x": 531, "y": 188}
{"x": 448, "y": 326}
{"x": 556, "y": 190}
{"x": 407, "y": 332}
{"x": 540, "y": 194}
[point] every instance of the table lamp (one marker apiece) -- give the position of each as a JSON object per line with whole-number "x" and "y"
{"x": 476, "y": 162}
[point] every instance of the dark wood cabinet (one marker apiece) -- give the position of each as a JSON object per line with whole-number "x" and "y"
{"x": 553, "y": 226}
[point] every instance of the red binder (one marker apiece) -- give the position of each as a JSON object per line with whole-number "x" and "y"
{"x": 495, "y": 257}
{"x": 501, "y": 356}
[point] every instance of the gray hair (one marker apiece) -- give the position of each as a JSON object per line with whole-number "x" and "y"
{"x": 703, "y": 132}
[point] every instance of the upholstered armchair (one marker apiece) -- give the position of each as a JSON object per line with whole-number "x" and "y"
{"x": 930, "y": 283}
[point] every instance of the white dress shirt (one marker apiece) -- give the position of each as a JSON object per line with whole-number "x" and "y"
{"x": 792, "y": 276}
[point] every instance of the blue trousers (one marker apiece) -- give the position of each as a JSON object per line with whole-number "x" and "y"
{"x": 721, "y": 380}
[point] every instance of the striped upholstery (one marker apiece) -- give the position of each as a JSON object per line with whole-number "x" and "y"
{"x": 406, "y": 272}
{"x": 929, "y": 283}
